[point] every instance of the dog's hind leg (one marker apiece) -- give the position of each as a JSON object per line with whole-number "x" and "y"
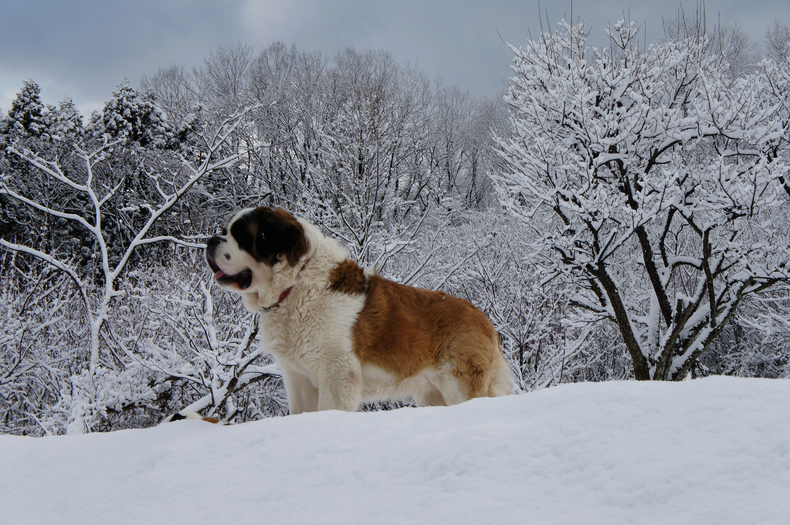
{"x": 502, "y": 382}
{"x": 450, "y": 386}
{"x": 431, "y": 397}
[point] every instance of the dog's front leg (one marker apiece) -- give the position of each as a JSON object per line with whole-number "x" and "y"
{"x": 302, "y": 395}
{"x": 340, "y": 382}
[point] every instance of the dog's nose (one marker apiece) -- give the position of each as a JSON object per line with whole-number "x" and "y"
{"x": 214, "y": 241}
{"x": 211, "y": 247}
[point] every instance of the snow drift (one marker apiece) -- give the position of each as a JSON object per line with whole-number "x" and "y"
{"x": 715, "y": 450}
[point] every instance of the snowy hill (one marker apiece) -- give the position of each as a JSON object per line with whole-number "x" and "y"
{"x": 715, "y": 450}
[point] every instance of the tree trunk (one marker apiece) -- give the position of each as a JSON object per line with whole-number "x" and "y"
{"x": 638, "y": 359}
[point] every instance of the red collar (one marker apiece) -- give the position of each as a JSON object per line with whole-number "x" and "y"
{"x": 285, "y": 292}
{"x": 282, "y": 297}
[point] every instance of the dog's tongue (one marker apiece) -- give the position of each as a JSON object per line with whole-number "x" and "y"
{"x": 219, "y": 274}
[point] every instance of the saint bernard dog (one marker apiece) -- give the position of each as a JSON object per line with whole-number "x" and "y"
{"x": 344, "y": 335}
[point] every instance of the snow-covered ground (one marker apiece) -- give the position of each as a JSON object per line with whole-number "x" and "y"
{"x": 715, "y": 451}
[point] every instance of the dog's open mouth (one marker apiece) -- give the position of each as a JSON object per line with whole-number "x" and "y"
{"x": 243, "y": 279}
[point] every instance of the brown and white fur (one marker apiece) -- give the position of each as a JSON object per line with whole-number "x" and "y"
{"x": 343, "y": 334}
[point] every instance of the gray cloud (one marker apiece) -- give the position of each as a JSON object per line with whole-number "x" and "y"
{"x": 84, "y": 49}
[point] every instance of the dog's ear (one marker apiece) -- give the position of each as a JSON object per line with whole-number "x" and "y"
{"x": 271, "y": 235}
{"x": 275, "y": 239}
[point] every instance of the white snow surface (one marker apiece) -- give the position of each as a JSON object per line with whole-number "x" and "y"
{"x": 714, "y": 450}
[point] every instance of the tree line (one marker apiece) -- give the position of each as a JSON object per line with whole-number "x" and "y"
{"x": 618, "y": 213}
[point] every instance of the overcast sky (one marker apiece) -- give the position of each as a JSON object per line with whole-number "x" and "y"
{"x": 84, "y": 49}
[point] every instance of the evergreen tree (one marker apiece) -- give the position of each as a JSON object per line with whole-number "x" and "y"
{"x": 133, "y": 116}
{"x": 26, "y": 120}
{"x": 65, "y": 122}
{"x": 26, "y": 116}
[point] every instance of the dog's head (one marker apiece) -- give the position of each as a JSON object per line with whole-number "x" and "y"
{"x": 261, "y": 252}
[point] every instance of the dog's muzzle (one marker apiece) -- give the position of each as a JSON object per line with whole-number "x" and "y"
{"x": 242, "y": 280}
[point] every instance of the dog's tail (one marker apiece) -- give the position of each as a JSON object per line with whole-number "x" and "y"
{"x": 178, "y": 416}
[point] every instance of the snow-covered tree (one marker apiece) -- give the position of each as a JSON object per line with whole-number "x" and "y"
{"x": 755, "y": 344}
{"x": 27, "y": 114}
{"x": 101, "y": 194}
{"x": 45, "y": 130}
{"x": 777, "y": 39}
{"x": 199, "y": 341}
{"x": 39, "y": 333}
{"x": 654, "y": 182}
{"x": 64, "y": 122}
{"x": 737, "y": 53}
{"x": 134, "y": 117}
{"x": 222, "y": 80}
{"x": 367, "y": 179}
{"x": 458, "y": 145}
{"x": 174, "y": 92}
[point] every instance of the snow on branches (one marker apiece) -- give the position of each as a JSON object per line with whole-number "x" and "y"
{"x": 656, "y": 178}
{"x": 87, "y": 177}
